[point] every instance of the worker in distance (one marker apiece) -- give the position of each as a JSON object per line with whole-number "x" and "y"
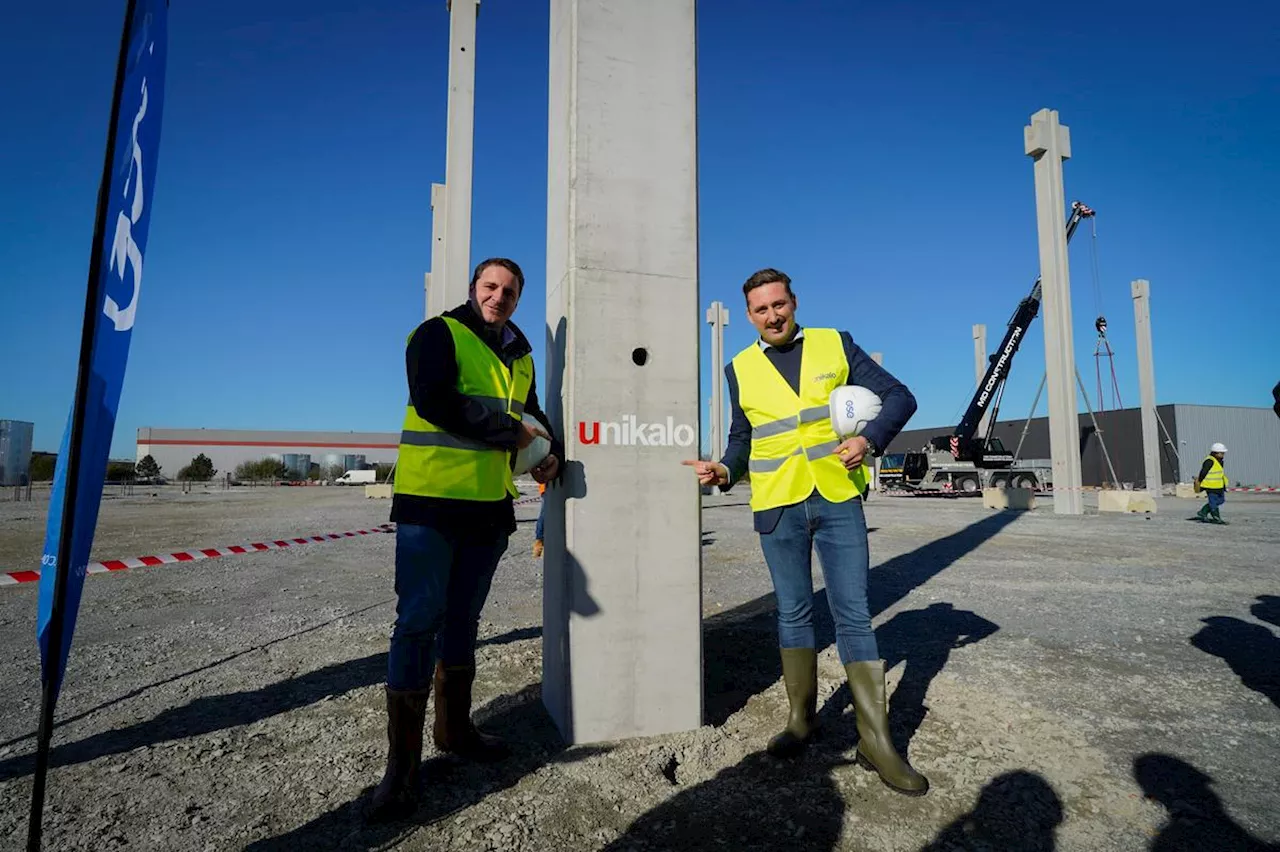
{"x": 1212, "y": 480}
{"x": 472, "y": 408}
{"x": 807, "y": 489}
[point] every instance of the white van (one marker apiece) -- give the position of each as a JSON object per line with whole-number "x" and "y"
{"x": 357, "y": 477}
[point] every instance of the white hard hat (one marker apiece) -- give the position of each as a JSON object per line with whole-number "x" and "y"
{"x": 532, "y": 455}
{"x": 852, "y": 408}
{"x": 1217, "y": 448}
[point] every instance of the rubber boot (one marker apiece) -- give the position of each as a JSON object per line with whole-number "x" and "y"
{"x": 800, "y": 673}
{"x": 453, "y": 731}
{"x": 1217, "y": 516}
{"x": 396, "y": 796}
{"x": 875, "y": 746}
{"x": 1203, "y": 514}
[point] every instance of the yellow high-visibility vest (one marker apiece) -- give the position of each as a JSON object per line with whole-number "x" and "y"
{"x": 1216, "y": 477}
{"x": 436, "y": 463}
{"x": 792, "y": 441}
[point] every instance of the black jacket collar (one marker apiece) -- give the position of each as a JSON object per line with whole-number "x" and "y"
{"x": 516, "y": 347}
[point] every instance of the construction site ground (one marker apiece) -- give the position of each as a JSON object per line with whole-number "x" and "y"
{"x": 1099, "y": 682}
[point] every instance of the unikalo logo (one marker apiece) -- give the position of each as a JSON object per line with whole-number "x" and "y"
{"x": 630, "y": 432}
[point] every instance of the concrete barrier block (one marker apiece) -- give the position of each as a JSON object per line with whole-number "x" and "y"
{"x": 379, "y": 491}
{"x": 1185, "y": 491}
{"x": 1126, "y": 501}
{"x": 1009, "y": 498}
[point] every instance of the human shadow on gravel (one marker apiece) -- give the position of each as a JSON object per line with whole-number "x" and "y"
{"x": 740, "y": 646}
{"x": 518, "y": 635}
{"x": 449, "y": 785}
{"x": 1267, "y": 609}
{"x": 1015, "y": 812}
{"x": 759, "y": 803}
{"x": 1252, "y": 651}
{"x": 213, "y": 713}
{"x": 924, "y": 638}
{"x": 1197, "y": 819}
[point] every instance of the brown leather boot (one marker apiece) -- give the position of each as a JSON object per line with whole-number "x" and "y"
{"x": 396, "y": 796}
{"x": 453, "y": 731}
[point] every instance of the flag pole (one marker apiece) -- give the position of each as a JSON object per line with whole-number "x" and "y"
{"x": 93, "y": 304}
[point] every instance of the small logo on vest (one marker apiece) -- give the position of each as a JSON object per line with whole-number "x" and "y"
{"x": 632, "y": 433}
{"x": 824, "y": 377}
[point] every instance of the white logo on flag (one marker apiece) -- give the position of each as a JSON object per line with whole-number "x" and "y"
{"x": 123, "y": 248}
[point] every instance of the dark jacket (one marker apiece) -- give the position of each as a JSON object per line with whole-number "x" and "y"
{"x": 897, "y": 406}
{"x": 431, "y": 365}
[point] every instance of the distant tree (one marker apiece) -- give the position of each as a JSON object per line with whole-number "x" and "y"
{"x": 200, "y": 470}
{"x": 333, "y": 471}
{"x": 147, "y": 468}
{"x": 43, "y": 466}
{"x": 262, "y": 470}
{"x": 385, "y": 473}
{"x": 120, "y": 471}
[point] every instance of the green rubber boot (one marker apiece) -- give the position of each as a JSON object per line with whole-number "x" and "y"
{"x": 875, "y": 746}
{"x": 1203, "y": 514}
{"x": 1217, "y": 517}
{"x": 800, "y": 673}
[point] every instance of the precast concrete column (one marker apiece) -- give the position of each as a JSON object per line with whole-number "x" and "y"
{"x": 436, "y": 304}
{"x": 717, "y": 318}
{"x": 454, "y": 274}
{"x": 1141, "y": 290}
{"x": 980, "y": 369}
{"x": 1049, "y": 144}
{"x": 622, "y": 620}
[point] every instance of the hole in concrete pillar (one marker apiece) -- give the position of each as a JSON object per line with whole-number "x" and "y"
{"x": 639, "y": 356}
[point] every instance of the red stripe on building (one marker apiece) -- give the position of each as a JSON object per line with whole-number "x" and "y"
{"x": 320, "y": 444}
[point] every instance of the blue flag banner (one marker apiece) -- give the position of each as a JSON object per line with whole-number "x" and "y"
{"x": 120, "y": 245}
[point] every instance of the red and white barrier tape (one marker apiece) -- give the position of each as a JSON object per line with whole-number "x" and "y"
{"x": 1267, "y": 489}
{"x": 15, "y": 577}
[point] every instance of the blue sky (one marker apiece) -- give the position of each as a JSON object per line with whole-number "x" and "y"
{"x": 873, "y": 151}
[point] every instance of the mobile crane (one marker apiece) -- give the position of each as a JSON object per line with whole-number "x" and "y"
{"x": 962, "y": 462}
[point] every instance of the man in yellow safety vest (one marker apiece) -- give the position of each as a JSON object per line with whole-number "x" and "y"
{"x": 472, "y": 406}
{"x": 1213, "y": 482}
{"x": 807, "y": 489}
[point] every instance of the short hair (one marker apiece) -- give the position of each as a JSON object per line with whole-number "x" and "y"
{"x": 767, "y": 276}
{"x": 506, "y": 263}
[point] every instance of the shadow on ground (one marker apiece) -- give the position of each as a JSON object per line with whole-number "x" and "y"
{"x": 741, "y": 645}
{"x": 1015, "y": 812}
{"x": 1197, "y": 819}
{"x": 1252, "y": 651}
{"x": 450, "y": 785}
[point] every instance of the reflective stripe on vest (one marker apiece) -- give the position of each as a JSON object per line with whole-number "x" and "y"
{"x": 1216, "y": 477}
{"x": 792, "y": 442}
{"x": 437, "y": 463}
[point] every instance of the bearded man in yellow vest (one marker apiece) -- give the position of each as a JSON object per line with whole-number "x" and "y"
{"x": 1213, "y": 482}
{"x": 807, "y": 491}
{"x": 472, "y": 406}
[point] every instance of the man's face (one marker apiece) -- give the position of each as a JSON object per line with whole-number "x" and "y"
{"x": 495, "y": 295}
{"x": 772, "y": 310}
{"x": 1219, "y": 456}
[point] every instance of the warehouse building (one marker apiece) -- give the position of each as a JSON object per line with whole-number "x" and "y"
{"x": 1251, "y": 435}
{"x": 173, "y": 449}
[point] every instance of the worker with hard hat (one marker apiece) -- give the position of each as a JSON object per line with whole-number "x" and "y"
{"x": 1212, "y": 480}
{"x": 807, "y": 489}
{"x": 472, "y": 413}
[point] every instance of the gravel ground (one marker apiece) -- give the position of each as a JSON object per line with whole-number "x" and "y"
{"x": 1090, "y": 683}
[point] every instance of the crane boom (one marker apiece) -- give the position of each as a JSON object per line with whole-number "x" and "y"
{"x": 962, "y": 443}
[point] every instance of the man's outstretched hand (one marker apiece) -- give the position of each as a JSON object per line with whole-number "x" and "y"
{"x": 709, "y": 473}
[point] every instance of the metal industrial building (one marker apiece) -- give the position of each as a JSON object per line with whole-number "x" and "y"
{"x": 15, "y": 451}
{"x": 174, "y": 449}
{"x": 1252, "y": 437}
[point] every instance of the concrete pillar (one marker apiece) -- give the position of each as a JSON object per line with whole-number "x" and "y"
{"x": 717, "y": 318}
{"x": 436, "y": 303}
{"x": 1141, "y": 290}
{"x": 1049, "y": 143}
{"x": 980, "y": 365}
{"x": 453, "y": 275}
{"x": 622, "y": 626}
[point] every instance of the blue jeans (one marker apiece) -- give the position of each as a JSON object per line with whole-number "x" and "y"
{"x": 542, "y": 514}
{"x": 839, "y": 532}
{"x": 1216, "y": 499}
{"x": 442, "y": 581}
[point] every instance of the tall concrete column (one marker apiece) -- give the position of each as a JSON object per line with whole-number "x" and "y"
{"x": 454, "y": 273}
{"x": 980, "y": 365}
{"x": 622, "y": 628}
{"x": 1141, "y": 290}
{"x": 1049, "y": 143}
{"x": 436, "y": 303}
{"x": 717, "y": 318}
